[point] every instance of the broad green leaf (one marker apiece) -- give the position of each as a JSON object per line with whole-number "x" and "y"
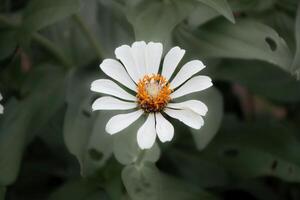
{"x": 251, "y": 5}
{"x": 155, "y": 20}
{"x": 78, "y": 190}
{"x": 19, "y": 125}
{"x": 41, "y": 13}
{"x": 296, "y": 62}
{"x": 2, "y": 192}
{"x": 84, "y": 131}
{"x": 277, "y": 84}
{"x": 212, "y": 121}
{"x": 148, "y": 183}
{"x": 262, "y": 148}
{"x": 220, "y": 6}
{"x": 246, "y": 40}
{"x": 126, "y": 149}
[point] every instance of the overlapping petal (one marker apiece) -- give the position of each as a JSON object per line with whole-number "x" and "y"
{"x": 109, "y": 87}
{"x": 111, "y": 103}
{"x": 116, "y": 71}
{"x": 171, "y": 61}
{"x": 146, "y": 134}
{"x": 122, "y": 121}
{"x": 195, "y": 84}
{"x": 164, "y": 129}
{"x": 193, "y": 105}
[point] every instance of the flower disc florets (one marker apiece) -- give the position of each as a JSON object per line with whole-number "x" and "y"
{"x": 153, "y": 93}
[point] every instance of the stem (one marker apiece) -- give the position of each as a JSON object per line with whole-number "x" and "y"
{"x": 140, "y": 158}
{"x": 51, "y": 48}
{"x": 44, "y": 42}
{"x": 90, "y": 37}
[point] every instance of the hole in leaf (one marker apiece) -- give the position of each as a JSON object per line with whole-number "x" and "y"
{"x": 272, "y": 44}
{"x": 274, "y": 165}
{"x": 231, "y": 152}
{"x": 95, "y": 155}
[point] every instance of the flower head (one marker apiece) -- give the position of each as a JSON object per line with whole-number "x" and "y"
{"x": 153, "y": 91}
{"x": 1, "y": 107}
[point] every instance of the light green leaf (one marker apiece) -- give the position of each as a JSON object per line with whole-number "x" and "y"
{"x": 78, "y": 190}
{"x": 212, "y": 121}
{"x": 246, "y": 40}
{"x": 84, "y": 131}
{"x": 126, "y": 149}
{"x": 148, "y": 183}
{"x": 155, "y": 20}
{"x": 41, "y": 13}
{"x": 18, "y": 128}
{"x": 296, "y": 62}
{"x": 221, "y": 6}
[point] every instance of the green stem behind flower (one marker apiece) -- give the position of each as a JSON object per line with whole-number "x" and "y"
{"x": 90, "y": 37}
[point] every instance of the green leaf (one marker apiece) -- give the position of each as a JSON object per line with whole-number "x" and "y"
{"x": 296, "y": 62}
{"x": 84, "y": 131}
{"x": 148, "y": 183}
{"x": 246, "y": 40}
{"x": 220, "y": 6}
{"x": 155, "y": 20}
{"x": 251, "y": 5}
{"x": 126, "y": 149}
{"x": 78, "y": 190}
{"x": 278, "y": 85}
{"x": 41, "y": 13}
{"x": 262, "y": 148}
{"x": 212, "y": 121}
{"x": 18, "y": 128}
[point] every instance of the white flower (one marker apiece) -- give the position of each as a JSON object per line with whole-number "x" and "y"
{"x": 153, "y": 91}
{"x": 1, "y": 107}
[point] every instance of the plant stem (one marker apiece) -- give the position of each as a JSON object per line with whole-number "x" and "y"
{"x": 51, "y": 48}
{"x": 140, "y": 158}
{"x": 90, "y": 37}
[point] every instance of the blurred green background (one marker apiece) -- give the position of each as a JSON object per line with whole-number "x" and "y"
{"x": 53, "y": 147}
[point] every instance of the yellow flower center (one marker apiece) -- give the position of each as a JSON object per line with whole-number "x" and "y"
{"x": 153, "y": 93}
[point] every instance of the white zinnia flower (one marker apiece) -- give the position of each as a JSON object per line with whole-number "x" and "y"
{"x": 154, "y": 91}
{"x": 1, "y": 107}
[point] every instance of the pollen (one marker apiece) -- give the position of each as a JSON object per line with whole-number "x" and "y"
{"x": 153, "y": 93}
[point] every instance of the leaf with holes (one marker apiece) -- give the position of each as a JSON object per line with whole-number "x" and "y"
{"x": 246, "y": 40}
{"x": 262, "y": 148}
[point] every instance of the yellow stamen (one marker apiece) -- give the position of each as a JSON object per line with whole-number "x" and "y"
{"x": 153, "y": 93}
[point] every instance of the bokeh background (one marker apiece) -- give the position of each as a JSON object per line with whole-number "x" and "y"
{"x": 52, "y": 146}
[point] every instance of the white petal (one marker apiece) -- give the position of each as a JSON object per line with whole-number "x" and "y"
{"x": 164, "y": 129}
{"x": 171, "y": 61}
{"x": 188, "y": 117}
{"x": 193, "y": 105}
{"x": 115, "y": 70}
{"x": 139, "y": 53}
{"x": 186, "y": 72}
{"x": 153, "y": 57}
{"x": 195, "y": 84}
{"x": 111, "y": 103}
{"x": 146, "y": 134}
{"x": 124, "y": 54}
{"x": 1, "y": 109}
{"x": 109, "y": 87}
{"x": 122, "y": 121}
